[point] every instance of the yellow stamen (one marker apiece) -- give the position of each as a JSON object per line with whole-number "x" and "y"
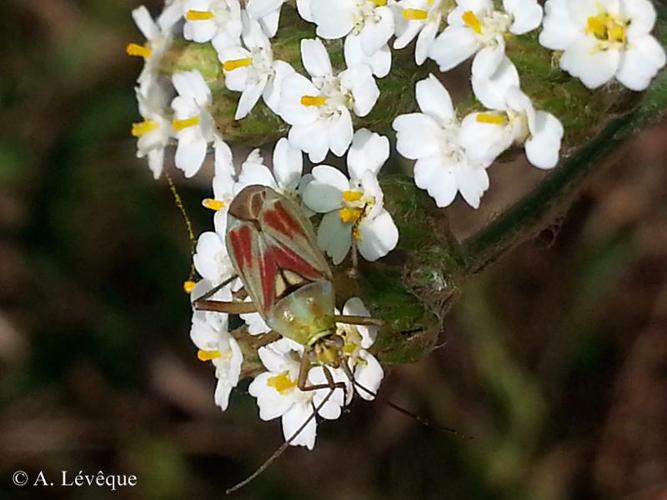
{"x": 607, "y": 28}
{"x": 212, "y": 204}
{"x": 313, "y": 100}
{"x": 472, "y": 21}
{"x": 352, "y": 195}
{"x": 182, "y": 124}
{"x": 199, "y": 15}
{"x": 491, "y": 119}
{"x": 143, "y": 128}
{"x": 233, "y": 64}
{"x": 350, "y": 215}
{"x": 208, "y": 355}
{"x": 134, "y": 49}
{"x": 415, "y": 14}
{"x": 349, "y": 348}
{"x": 188, "y": 286}
{"x": 379, "y": 3}
{"x": 281, "y": 383}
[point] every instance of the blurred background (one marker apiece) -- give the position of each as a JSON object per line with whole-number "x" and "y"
{"x": 554, "y": 360}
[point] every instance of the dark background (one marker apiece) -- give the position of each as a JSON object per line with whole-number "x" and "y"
{"x": 555, "y": 359}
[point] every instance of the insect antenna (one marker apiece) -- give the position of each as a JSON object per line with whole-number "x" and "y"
{"x": 282, "y": 447}
{"x": 423, "y": 421}
{"x": 215, "y": 289}
{"x": 188, "y": 224}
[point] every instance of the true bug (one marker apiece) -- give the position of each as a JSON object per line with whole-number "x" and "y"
{"x": 273, "y": 249}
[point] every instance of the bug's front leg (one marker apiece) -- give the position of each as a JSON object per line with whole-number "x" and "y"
{"x": 302, "y": 383}
{"x": 357, "y": 320}
{"x": 224, "y": 307}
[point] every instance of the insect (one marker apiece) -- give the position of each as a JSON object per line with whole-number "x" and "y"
{"x": 273, "y": 249}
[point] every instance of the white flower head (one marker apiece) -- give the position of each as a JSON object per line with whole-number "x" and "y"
{"x": 477, "y": 28}
{"x": 215, "y": 344}
{"x": 604, "y": 39}
{"x": 284, "y": 177}
{"x": 433, "y": 138}
{"x": 371, "y": 20}
{"x": 193, "y": 123}
{"x": 366, "y": 369}
{"x": 278, "y": 395}
{"x": 266, "y": 13}
{"x": 421, "y": 19}
{"x": 225, "y": 186}
{"x": 154, "y": 132}
{"x": 252, "y": 70}
{"x": 158, "y": 41}
{"x": 512, "y": 120}
{"x": 319, "y": 109}
{"x": 216, "y": 21}
{"x": 353, "y": 207}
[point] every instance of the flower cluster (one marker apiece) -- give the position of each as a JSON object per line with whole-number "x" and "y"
{"x": 323, "y": 107}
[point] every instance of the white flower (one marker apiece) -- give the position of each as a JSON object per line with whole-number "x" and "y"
{"x": 193, "y": 122}
{"x": 158, "y": 41}
{"x": 475, "y": 27}
{"x": 604, "y": 39}
{"x": 252, "y": 71}
{"x": 319, "y": 109}
{"x": 225, "y": 186}
{"x": 267, "y": 13}
{"x": 366, "y": 369}
{"x": 215, "y": 344}
{"x": 371, "y": 20}
{"x": 512, "y": 121}
{"x": 278, "y": 395}
{"x": 171, "y": 14}
{"x": 432, "y": 137}
{"x": 154, "y": 132}
{"x": 353, "y": 207}
{"x": 211, "y": 259}
{"x": 421, "y": 19}
{"x": 285, "y": 177}
{"x": 216, "y": 21}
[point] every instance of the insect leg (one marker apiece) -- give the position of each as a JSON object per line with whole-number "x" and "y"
{"x": 302, "y": 383}
{"x": 224, "y": 307}
{"x": 216, "y": 288}
{"x": 357, "y": 320}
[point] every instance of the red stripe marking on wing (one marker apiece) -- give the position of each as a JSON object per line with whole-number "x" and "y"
{"x": 241, "y": 246}
{"x": 282, "y": 221}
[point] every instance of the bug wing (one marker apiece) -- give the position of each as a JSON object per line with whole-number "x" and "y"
{"x": 279, "y": 243}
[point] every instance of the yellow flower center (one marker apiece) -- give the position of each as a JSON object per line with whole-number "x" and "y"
{"x": 351, "y": 196}
{"x": 313, "y": 100}
{"x": 472, "y": 21}
{"x": 379, "y": 3}
{"x": 607, "y": 28}
{"x": 491, "y": 119}
{"x": 233, "y": 64}
{"x": 350, "y": 215}
{"x": 188, "y": 286}
{"x": 211, "y": 355}
{"x": 143, "y": 128}
{"x": 415, "y": 14}
{"x": 199, "y": 15}
{"x": 212, "y": 204}
{"x": 134, "y": 49}
{"x": 183, "y": 124}
{"x": 282, "y": 382}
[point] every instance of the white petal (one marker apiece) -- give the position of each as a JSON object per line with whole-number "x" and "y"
{"x": 488, "y": 59}
{"x": 294, "y": 87}
{"x": 483, "y": 142}
{"x": 543, "y": 147}
{"x": 453, "y": 46}
{"x": 425, "y": 41}
{"x": 249, "y": 98}
{"x": 472, "y": 183}
{"x": 355, "y": 307}
{"x": 380, "y": 62}
{"x": 558, "y": 29}
{"x": 369, "y": 375}
{"x": 359, "y": 80}
{"x": 145, "y": 23}
{"x": 377, "y": 237}
{"x": 315, "y": 57}
{"x": 527, "y": 15}
{"x": 192, "y": 84}
{"x": 417, "y": 135}
{"x": 256, "y": 174}
{"x": 303, "y": 7}
{"x": 287, "y": 164}
{"x": 272, "y": 91}
{"x": 642, "y": 15}
{"x": 294, "y": 419}
{"x": 369, "y": 151}
{"x": 340, "y": 132}
{"x": 333, "y": 19}
{"x": 311, "y": 138}
{"x": 334, "y": 237}
{"x": 593, "y": 67}
{"x": 640, "y": 63}
{"x": 324, "y": 192}
{"x": 492, "y": 92}
{"x": 224, "y": 166}
{"x": 190, "y": 155}
{"x": 434, "y": 100}
{"x": 436, "y": 177}
{"x": 376, "y": 34}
